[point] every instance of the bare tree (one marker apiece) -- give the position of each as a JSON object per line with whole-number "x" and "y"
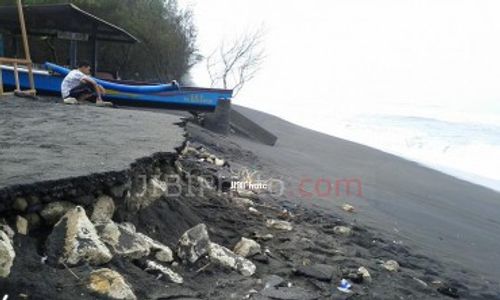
{"x": 232, "y": 65}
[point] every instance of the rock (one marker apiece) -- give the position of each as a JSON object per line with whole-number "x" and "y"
{"x": 289, "y": 293}
{"x": 123, "y": 240}
{"x": 247, "y": 247}
{"x": 279, "y": 225}
{"x": 55, "y": 210}
{"x": 348, "y": 208}
{"x": 111, "y": 284}
{"x": 246, "y": 194}
{"x": 103, "y": 211}
{"x": 194, "y": 243}
{"x": 21, "y": 225}
{"x": 264, "y": 237}
{"x": 449, "y": 291}
{"x": 225, "y": 257}
{"x": 366, "y": 275}
{"x": 162, "y": 252}
{"x": 34, "y": 220}
{"x": 165, "y": 271}
{"x": 391, "y": 265}
{"x": 242, "y": 202}
{"x": 355, "y": 277}
{"x": 342, "y": 230}
{"x": 7, "y": 254}
{"x": 318, "y": 271}
{"x": 74, "y": 240}
{"x": 8, "y": 230}
{"x": 421, "y": 282}
{"x": 219, "y": 162}
{"x": 118, "y": 191}
{"x": 20, "y": 204}
{"x": 272, "y": 281}
{"x": 254, "y": 211}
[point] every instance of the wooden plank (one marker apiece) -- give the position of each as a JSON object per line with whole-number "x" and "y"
{"x": 8, "y": 60}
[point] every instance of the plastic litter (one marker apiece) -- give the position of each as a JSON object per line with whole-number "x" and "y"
{"x": 344, "y": 286}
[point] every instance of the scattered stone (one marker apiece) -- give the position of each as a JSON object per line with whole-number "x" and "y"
{"x": 246, "y": 194}
{"x": 449, "y": 291}
{"x": 20, "y": 204}
{"x": 8, "y": 230}
{"x": 261, "y": 258}
{"x": 111, "y": 284}
{"x": 225, "y": 257}
{"x": 319, "y": 271}
{"x": 242, "y": 202}
{"x": 421, "y": 282}
{"x": 194, "y": 243}
{"x": 162, "y": 252}
{"x": 366, "y": 275}
{"x": 272, "y": 281}
{"x": 74, "y": 240}
{"x": 264, "y": 237}
{"x": 219, "y": 162}
{"x": 21, "y": 225}
{"x": 165, "y": 271}
{"x": 55, "y": 210}
{"x": 254, "y": 211}
{"x": 103, "y": 211}
{"x": 342, "y": 230}
{"x": 34, "y": 220}
{"x": 289, "y": 293}
{"x": 123, "y": 241}
{"x": 279, "y": 225}
{"x": 348, "y": 208}
{"x": 391, "y": 265}
{"x": 247, "y": 247}
{"x": 7, "y": 254}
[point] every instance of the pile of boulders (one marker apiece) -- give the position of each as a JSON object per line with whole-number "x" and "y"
{"x": 78, "y": 239}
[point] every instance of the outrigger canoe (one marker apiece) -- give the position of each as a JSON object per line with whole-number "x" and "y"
{"x": 125, "y": 93}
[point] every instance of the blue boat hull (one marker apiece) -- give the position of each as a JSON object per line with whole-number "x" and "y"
{"x": 187, "y": 98}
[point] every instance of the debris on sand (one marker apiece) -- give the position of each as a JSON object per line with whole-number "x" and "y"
{"x": 279, "y": 225}
{"x": 111, "y": 284}
{"x": 348, "y": 208}
{"x": 391, "y": 265}
{"x": 227, "y": 258}
{"x": 247, "y": 247}
{"x": 194, "y": 243}
{"x": 342, "y": 230}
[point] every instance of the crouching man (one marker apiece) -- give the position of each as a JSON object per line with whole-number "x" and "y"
{"x": 78, "y": 86}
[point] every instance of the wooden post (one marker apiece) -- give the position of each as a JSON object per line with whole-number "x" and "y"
{"x": 27, "y": 54}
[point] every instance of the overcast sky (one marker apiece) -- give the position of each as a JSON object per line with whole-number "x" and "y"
{"x": 358, "y": 53}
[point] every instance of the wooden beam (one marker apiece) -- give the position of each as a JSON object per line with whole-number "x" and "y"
{"x": 9, "y": 60}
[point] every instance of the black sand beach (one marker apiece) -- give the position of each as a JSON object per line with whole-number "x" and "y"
{"x": 442, "y": 231}
{"x": 444, "y": 217}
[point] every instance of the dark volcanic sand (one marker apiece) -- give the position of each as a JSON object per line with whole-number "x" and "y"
{"x": 299, "y": 152}
{"x": 41, "y": 140}
{"x": 442, "y": 216}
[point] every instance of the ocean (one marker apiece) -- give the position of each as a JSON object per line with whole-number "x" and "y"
{"x": 462, "y": 142}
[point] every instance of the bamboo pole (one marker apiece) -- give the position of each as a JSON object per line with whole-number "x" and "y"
{"x": 27, "y": 53}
